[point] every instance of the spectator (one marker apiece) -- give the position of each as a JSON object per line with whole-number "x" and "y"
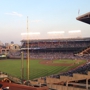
{"x": 1, "y": 87}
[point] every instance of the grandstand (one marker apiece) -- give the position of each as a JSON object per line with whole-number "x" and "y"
{"x": 55, "y": 48}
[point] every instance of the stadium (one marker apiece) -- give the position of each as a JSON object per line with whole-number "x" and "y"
{"x": 70, "y": 58}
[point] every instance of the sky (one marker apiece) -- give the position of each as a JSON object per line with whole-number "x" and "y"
{"x": 43, "y": 16}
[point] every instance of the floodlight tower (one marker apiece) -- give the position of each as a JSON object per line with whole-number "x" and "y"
{"x": 55, "y": 34}
{"x": 24, "y": 36}
{"x": 34, "y": 35}
{"x": 74, "y": 33}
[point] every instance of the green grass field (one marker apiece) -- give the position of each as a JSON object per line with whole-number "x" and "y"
{"x": 13, "y": 67}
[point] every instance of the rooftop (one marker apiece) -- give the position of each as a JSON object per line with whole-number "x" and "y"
{"x": 84, "y": 18}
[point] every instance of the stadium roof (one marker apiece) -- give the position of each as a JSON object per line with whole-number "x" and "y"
{"x": 61, "y": 40}
{"x": 84, "y": 18}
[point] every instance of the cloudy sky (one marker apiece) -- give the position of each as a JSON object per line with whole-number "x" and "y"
{"x": 43, "y": 16}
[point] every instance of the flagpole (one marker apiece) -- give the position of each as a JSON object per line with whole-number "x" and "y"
{"x": 78, "y": 12}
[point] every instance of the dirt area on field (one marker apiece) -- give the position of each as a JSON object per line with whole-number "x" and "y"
{"x": 50, "y": 63}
